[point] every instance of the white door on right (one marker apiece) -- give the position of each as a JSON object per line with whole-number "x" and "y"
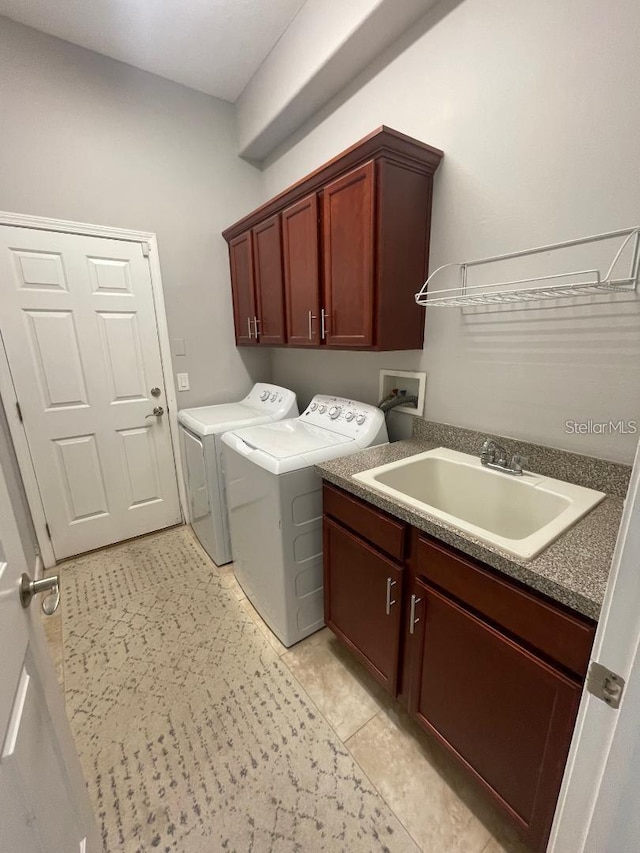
{"x": 79, "y": 326}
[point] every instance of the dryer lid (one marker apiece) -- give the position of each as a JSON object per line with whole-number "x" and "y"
{"x": 206, "y": 420}
{"x": 285, "y": 439}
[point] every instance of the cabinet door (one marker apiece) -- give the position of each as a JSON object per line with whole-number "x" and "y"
{"x": 348, "y": 232}
{"x": 362, "y": 600}
{"x": 301, "y": 271}
{"x": 242, "y": 288}
{"x": 508, "y": 715}
{"x": 267, "y": 262}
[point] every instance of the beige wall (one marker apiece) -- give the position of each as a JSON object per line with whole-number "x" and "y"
{"x": 535, "y": 107}
{"x": 92, "y": 140}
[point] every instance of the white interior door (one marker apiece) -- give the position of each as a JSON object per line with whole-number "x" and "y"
{"x": 599, "y": 805}
{"x": 44, "y": 805}
{"x": 79, "y": 329}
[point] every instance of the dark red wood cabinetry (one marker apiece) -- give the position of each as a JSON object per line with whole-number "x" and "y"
{"x": 267, "y": 250}
{"x": 490, "y": 668}
{"x": 355, "y": 247}
{"x": 348, "y": 239}
{"x": 302, "y": 271}
{"x": 243, "y": 288}
{"x": 362, "y": 605}
{"x": 257, "y": 284}
{"x": 504, "y": 712}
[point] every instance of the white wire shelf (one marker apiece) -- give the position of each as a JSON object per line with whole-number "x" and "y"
{"x": 562, "y": 285}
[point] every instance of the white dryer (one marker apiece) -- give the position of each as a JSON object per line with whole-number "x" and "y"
{"x": 275, "y": 506}
{"x": 200, "y": 432}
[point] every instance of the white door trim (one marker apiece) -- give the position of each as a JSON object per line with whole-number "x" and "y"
{"x": 7, "y": 391}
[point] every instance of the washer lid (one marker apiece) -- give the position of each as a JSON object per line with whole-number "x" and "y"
{"x": 206, "y": 420}
{"x": 285, "y": 439}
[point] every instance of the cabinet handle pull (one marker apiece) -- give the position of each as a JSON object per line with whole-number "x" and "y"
{"x": 412, "y": 616}
{"x": 390, "y": 583}
{"x": 255, "y": 326}
{"x": 324, "y": 321}
{"x": 249, "y": 327}
{"x": 312, "y": 317}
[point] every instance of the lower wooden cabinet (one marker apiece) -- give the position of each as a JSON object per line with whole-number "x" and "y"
{"x": 362, "y": 601}
{"x": 504, "y": 712}
{"x": 491, "y": 669}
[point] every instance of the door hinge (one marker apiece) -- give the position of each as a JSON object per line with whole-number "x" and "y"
{"x": 19, "y": 408}
{"x": 146, "y": 249}
{"x": 48, "y": 529}
{"x": 605, "y": 685}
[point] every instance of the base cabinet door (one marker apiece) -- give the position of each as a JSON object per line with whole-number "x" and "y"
{"x": 363, "y": 594}
{"x": 504, "y": 712}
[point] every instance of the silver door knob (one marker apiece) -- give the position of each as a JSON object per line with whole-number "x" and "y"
{"x": 155, "y": 392}
{"x": 29, "y": 588}
{"x": 157, "y": 412}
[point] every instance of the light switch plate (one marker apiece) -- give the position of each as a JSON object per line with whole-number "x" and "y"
{"x": 183, "y": 381}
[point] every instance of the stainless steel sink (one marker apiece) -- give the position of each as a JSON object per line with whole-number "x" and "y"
{"x": 521, "y": 516}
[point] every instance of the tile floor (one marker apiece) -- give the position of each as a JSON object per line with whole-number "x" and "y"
{"x": 429, "y": 795}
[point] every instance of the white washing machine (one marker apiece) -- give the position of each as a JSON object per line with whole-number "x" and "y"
{"x": 275, "y": 506}
{"x": 200, "y": 432}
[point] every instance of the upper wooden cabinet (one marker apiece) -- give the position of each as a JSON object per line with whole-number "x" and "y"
{"x": 301, "y": 271}
{"x": 242, "y": 288}
{"x": 348, "y": 243}
{"x": 267, "y": 264}
{"x": 257, "y": 288}
{"x": 355, "y": 250}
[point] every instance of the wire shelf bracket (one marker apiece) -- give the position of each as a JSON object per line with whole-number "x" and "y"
{"x": 586, "y": 282}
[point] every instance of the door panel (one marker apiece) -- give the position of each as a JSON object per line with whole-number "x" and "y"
{"x": 54, "y": 347}
{"x": 348, "y": 230}
{"x": 123, "y": 355}
{"x": 140, "y": 462}
{"x": 267, "y": 252}
{"x": 356, "y": 579}
{"x": 79, "y": 327}
{"x": 44, "y": 805}
{"x": 301, "y": 271}
{"x": 81, "y": 477}
{"x": 505, "y": 712}
{"x": 242, "y": 288}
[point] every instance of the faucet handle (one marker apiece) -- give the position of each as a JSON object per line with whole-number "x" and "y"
{"x": 518, "y": 462}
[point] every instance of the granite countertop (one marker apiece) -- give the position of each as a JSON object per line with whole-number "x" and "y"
{"x": 573, "y": 570}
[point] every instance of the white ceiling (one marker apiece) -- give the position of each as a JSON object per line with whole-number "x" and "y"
{"x": 211, "y": 45}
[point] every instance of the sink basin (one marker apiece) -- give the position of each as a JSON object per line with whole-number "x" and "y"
{"x": 520, "y": 515}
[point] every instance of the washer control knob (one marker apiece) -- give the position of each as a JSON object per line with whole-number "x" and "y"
{"x": 264, "y": 395}
{"x": 322, "y": 409}
{"x": 274, "y": 397}
{"x": 313, "y": 407}
{"x": 349, "y": 416}
{"x": 334, "y": 412}
{"x": 361, "y": 419}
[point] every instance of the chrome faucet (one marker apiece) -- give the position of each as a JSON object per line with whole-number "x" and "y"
{"x": 495, "y": 456}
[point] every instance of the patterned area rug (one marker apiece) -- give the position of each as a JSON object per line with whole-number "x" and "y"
{"x": 193, "y": 735}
